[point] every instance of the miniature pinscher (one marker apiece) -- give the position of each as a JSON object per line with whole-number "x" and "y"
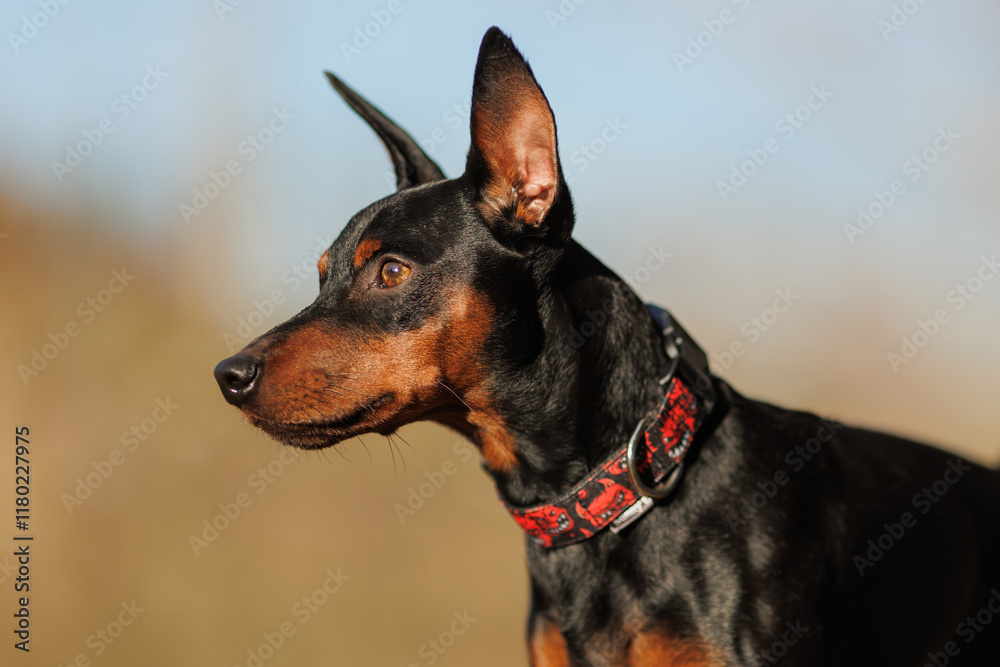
{"x": 669, "y": 520}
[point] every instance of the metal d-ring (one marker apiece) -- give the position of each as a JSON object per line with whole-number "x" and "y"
{"x": 663, "y": 489}
{"x": 673, "y": 348}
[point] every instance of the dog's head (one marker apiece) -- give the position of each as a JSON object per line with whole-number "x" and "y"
{"x": 430, "y": 295}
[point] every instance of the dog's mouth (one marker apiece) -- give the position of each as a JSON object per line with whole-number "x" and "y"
{"x": 325, "y": 432}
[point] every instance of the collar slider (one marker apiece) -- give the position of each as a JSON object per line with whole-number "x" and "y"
{"x": 629, "y": 516}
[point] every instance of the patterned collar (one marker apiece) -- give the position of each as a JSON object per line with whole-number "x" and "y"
{"x": 617, "y": 493}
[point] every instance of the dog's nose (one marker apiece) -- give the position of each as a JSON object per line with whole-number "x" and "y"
{"x": 238, "y": 378}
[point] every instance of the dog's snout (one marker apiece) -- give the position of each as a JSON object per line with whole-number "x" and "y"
{"x": 238, "y": 378}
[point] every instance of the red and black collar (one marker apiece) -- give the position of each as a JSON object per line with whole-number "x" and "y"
{"x": 616, "y": 493}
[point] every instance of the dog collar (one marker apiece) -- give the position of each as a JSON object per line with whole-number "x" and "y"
{"x": 616, "y": 494}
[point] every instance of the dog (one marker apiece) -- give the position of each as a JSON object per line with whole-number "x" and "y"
{"x": 669, "y": 520}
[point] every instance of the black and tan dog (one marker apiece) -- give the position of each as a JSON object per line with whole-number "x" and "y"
{"x": 670, "y": 520}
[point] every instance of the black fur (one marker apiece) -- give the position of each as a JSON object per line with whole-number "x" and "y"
{"x": 693, "y": 568}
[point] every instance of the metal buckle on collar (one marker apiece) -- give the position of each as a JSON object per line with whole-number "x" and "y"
{"x": 673, "y": 342}
{"x": 674, "y": 347}
{"x": 664, "y": 488}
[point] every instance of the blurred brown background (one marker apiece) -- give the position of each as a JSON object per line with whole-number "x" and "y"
{"x": 126, "y": 537}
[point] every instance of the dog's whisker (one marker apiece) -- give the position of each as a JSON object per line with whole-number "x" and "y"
{"x": 353, "y": 391}
{"x": 401, "y": 457}
{"x": 365, "y": 445}
{"x": 396, "y": 433}
{"x": 334, "y": 391}
{"x": 392, "y": 453}
{"x": 322, "y": 453}
{"x": 341, "y": 453}
{"x": 453, "y": 393}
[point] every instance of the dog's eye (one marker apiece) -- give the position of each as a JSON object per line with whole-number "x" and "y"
{"x": 394, "y": 273}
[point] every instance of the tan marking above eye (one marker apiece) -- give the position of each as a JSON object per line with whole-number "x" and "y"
{"x": 365, "y": 250}
{"x": 323, "y": 264}
{"x": 393, "y": 273}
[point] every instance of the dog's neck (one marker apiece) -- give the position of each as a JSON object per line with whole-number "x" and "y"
{"x": 594, "y": 379}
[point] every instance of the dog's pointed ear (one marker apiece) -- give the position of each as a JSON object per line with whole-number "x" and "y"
{"x": 412, "y": 165}
{"x": 513, "y": 162}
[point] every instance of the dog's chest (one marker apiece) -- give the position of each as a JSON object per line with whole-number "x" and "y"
{"x": 631, "y": 647}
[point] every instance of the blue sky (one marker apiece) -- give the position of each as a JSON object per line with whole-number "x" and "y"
{"x": 226, "y": 71}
